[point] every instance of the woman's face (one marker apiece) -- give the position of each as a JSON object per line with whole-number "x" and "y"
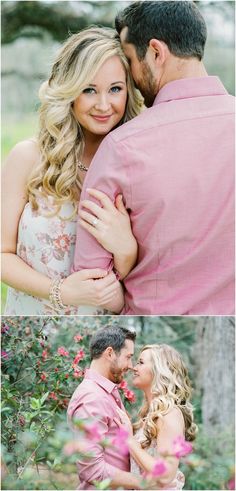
{"x": 143, "y": 375}
{"x": 102, "y": 104}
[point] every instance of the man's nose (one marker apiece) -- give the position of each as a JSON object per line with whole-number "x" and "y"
{"x": 130, "y": 365}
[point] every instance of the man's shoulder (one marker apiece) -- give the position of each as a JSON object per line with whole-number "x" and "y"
{"x": 89, "y": 391}
{"x": 132, "y": 127}
{"x": 88, "y": 394}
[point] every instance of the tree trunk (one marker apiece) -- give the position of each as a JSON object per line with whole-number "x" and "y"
{"x": 214, "y": 352}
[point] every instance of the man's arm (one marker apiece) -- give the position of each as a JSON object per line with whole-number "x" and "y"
{"x": 108, "y": 173}
{"x": 94, "y": 467}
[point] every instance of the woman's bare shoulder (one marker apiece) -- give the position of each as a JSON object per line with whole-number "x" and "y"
{"x": 23, "y": 157}
{"x": 172, "y": 418}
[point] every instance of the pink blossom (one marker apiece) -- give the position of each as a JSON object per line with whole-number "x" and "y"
{"x": 181, "y": 447}
{"x": 52, "y": 395}
{"x": 4, "y": 355}
{"x": 62, "y": 351}
{"x": 92, "y": 431}
{"x": 4, "y": 329}
{"x": 80, "y": 356}
{"x": 231, "y": 483}
{"x": 43, "y": 376}
{"x": 78, "y": 338}
{"x": 44, "y": 354}
{"x": 78, "y": 373}
{"x": 129, "y": 394}
{"x": 159, "y": 468}
{"x": 120, "y": 440}
{"x": 123, "y": 385}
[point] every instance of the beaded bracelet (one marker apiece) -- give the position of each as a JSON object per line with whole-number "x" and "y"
{"x": 55, "y": 294}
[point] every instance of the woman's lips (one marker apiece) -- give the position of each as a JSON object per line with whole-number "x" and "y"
{"x": 102, "y": 118}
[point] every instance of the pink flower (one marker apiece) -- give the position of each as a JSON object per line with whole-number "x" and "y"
{"x": 129, "y": 394}
{"x": 120, "y": 441}
{"x": 80, "y": 356}
{"x": 92, "y": 431}
{"x": 62, "y": 242}
{"x": 4, "y": 355}
{"x": 43, "y": 376}
{"x": 123, "y": 385}
{"x": 159, "y": 468}
{"x": 44, "y": 354}
{"x": 231, "y": 483}
{"x": 181, "y": 447}
{"x": 61, "y": 351}
{"x": 52, "y": 395}
{"x": 4, "y": 329}
{"x": 78, "y": 338}
{"x": 78, "y": 373}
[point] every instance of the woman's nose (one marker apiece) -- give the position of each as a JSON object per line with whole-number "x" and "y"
{"x": 103, "y": 103}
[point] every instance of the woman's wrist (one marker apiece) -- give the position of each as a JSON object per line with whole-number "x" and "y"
{"x": 55, "y": 296}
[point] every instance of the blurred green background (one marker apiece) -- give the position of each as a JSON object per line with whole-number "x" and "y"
{"x": 33, "y": 30}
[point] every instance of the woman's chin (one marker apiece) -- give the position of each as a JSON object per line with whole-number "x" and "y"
{"x": 135, "y": 383}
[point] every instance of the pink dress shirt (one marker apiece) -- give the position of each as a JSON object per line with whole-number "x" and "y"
{"x": 174, "y": 165}
{"x": 97, "y": 398}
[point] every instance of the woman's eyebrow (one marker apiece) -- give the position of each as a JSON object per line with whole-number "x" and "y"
{"x": 119, "y": 82}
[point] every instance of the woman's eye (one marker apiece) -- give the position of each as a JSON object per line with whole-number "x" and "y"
{"x": 116, "y": 89}
{"x": 89, "y": 90}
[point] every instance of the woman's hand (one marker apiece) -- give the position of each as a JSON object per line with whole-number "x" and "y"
{"x": 90, "y": 287}
{"x": 124, "y": 421}
{"x": 110, "y": 225}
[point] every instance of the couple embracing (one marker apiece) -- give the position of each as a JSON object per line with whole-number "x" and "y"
{"x": 165, "y": 416}
{"x": 135, "y": 112}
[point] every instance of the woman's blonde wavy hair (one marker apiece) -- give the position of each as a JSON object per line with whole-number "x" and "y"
{"x": 170, "y": 388}
{"x": 60, "y": 136}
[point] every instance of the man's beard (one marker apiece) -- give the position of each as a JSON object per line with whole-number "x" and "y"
{"x": 116, "y": 372}
{"x": 147, "y": 85}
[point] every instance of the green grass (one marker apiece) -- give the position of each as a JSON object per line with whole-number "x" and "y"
{"x": 15, "y": 129}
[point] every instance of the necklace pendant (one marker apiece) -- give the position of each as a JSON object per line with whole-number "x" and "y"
{"x": 82, "y": 166}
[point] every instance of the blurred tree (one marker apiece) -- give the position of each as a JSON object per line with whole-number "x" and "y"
{"x": 214, "y": 358}
{"x": 34, "y": 18}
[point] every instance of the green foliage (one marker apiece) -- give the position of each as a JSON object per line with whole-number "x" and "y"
{"x": 211, "y": 464}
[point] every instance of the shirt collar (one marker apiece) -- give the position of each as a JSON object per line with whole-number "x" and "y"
{"x": 104, "y": 382}
{"x": 186, "y": 88}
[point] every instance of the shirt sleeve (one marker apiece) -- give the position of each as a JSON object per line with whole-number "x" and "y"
{"x": 94, "y": 467}
{"x": 108, "y": 173}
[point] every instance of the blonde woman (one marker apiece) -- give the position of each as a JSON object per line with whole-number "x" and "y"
{"x": 165, "y": 415}
{"x": 90, "y": 92}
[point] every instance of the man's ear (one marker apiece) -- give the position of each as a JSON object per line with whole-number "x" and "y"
{"x": 159, "y": 51}
{"x": 109, "y": 352}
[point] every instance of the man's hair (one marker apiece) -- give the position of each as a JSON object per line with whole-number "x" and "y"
{"x": 114, "y": 336}
{"x": 179, "y": 24}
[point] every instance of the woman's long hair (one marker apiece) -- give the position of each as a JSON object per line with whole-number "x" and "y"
{"x": 60, "y": 136}
{"x": 170, "y": 388}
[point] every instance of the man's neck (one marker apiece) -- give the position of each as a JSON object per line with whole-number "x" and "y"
{"x": 99, "y": 367}
{"x": 180, "y": 68}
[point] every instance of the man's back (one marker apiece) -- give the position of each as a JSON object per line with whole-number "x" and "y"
{"x": 174, "y": 165}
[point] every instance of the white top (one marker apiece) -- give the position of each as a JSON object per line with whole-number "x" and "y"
{"x": 46, "y": 243}
{"x": 178, "y": 481}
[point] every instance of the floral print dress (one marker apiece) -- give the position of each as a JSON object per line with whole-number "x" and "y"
{"x": 46, "y": 243}
{"x": 176, "y": 483}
